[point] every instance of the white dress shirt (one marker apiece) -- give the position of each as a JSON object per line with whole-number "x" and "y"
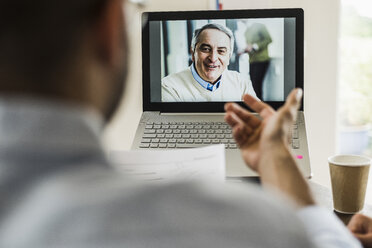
{"x": 58, "y": 190}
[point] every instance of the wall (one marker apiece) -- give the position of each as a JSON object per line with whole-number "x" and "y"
{"x": 321, "y": 58}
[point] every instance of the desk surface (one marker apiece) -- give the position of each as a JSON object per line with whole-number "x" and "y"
{"x": 323, "y": 197}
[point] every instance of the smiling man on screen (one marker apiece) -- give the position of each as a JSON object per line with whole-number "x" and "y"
{"x": 208, "y": 79}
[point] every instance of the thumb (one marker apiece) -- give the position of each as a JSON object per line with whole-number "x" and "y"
{"x": 293, "y": 102}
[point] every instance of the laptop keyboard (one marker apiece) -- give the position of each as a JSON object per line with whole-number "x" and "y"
{"x": 186, "y": 135}
{"x": 194, "y": 134}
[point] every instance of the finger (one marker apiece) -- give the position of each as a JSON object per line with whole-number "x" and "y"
{"x": 288, "y": 113}
{"x": 241, "y": 132}
{"x": 233, "y": 120}
{"x": 365, "y": 239}
{"x": 243, "y": 114}
{"x": 293, "y": 102}
{"x": 239, "y": 136}
{"x": 355, "y": 224}
{"x": 360, "y": 224}
{"x": 258, "y": 106}
{"x": 230, "y": 119}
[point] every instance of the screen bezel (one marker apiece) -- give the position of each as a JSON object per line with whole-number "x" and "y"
{"x": 199, "y": 107}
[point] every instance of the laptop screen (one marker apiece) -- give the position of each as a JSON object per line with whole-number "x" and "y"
{"x": 195, "y": 61}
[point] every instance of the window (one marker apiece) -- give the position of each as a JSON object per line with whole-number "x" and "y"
{"x": 355, "y": 98}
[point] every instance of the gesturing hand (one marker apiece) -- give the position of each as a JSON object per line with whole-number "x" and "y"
{"x": 255, "y": 135}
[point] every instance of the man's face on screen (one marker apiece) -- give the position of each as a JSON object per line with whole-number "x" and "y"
{"x": 212, "y": 54}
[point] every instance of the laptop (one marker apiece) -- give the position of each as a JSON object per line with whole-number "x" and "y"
{"x": 181, "y": 109}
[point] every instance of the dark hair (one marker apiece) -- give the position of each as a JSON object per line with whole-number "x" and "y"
{"x": 37, "y": 36}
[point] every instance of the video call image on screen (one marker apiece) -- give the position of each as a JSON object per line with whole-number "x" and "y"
{"x": 258, "y": 59}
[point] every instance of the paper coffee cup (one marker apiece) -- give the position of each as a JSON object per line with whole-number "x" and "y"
{"x": 349, "y": 177}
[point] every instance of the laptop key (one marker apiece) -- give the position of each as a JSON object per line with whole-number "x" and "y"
{"x": 233, "y": 146}
{"x": 188, "y": 145}
{"x": 154, "y": 145}
{"x": 145, "y": 145}
{"x": 162, "y": 145}
{"x": 295, "y": 133}
{"x": 149, "y": 135}
{"x": 296, "y": 144}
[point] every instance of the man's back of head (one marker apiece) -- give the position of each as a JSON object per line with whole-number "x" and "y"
{"x": 69, "y": 50}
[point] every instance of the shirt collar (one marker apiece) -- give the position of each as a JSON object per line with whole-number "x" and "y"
{"x": 202, "y": 82}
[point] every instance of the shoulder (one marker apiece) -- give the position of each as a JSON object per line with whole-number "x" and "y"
{"x": 189, "y": 213}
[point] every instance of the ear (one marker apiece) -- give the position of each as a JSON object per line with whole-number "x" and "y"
{"x": 192, "y": 55}
{"x": 109, "y": 28}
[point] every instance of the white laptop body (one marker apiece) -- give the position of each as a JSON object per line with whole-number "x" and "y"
{"x": 166, "y": 38}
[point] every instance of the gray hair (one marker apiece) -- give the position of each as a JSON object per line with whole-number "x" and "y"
{"x": 227, "y": 31}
